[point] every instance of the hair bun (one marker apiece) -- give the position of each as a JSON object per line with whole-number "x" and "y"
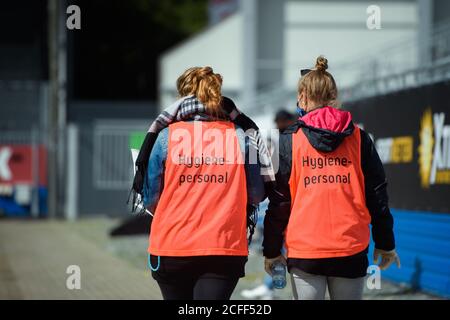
{"x": 321, "y": 63}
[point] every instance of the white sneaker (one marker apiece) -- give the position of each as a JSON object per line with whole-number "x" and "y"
{"x": 260, "y": 292}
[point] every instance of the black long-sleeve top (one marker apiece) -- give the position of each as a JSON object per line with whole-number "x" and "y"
{"x": 279, "y": 209}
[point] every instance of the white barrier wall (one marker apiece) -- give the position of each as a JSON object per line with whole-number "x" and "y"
{"x": 219, "y": 47}
{"x": 336, "y": 29}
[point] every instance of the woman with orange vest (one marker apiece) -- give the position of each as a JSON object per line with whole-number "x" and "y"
{"x": 330, "y": 186}
{"x": 199, "y": 185}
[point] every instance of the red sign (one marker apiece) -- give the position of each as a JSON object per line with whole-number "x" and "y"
{"x": 16, "y": 164}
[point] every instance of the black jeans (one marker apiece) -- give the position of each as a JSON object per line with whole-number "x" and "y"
{"x": 198, "y": 278}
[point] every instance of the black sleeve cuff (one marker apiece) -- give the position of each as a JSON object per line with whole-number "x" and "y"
{"x": 271, "y": 253}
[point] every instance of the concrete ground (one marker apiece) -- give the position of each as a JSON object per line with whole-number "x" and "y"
{"x": 35, "y": 255}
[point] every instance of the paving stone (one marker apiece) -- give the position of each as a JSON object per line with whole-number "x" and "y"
{"x": 34, "y": 257}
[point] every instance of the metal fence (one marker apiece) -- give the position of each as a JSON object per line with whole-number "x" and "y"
{"x": 103, "y": 165}
{"x": 23, "y": 105}
{"x": 112, "y": 164}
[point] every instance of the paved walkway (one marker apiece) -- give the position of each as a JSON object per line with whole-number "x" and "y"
{"x": 34, "y": 256}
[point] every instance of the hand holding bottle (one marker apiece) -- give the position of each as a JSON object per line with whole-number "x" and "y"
{"x": 276, "y": 267}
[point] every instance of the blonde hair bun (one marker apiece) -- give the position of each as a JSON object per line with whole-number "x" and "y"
{"x": 318, "y": 85}
{"x": 321, "y": 63}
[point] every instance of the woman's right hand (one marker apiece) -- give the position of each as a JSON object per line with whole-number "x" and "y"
{"x": 269, "y": 262}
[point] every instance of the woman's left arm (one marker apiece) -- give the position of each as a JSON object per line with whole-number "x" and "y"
{"x": 376, "y": 195}
{"x": 154, "y": 184}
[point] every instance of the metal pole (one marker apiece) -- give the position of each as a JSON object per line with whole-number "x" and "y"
{"x": 35, "y": 172}
{"x": 72, "y": 173}
{"x": 249, "y": 9}
{"x": 425, "y": 29}
{"x": 57, "y": 105}
{"x": 53, "y": 108}
{"x": 62, "y": 103}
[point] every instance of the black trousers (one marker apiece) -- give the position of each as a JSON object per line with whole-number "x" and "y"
{"x": 198, "y": 278}
{"x": 205, "y": 287}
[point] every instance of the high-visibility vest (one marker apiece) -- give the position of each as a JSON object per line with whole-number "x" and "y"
{"x": 202, "y": 208}
{"x": 329, "y": 217}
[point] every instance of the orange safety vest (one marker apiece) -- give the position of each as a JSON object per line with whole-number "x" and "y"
{"x": 202, "y": 208}
{"x": 329, "y": 217}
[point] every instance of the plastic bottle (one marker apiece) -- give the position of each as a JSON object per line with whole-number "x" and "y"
{"x": 278, "y": 275}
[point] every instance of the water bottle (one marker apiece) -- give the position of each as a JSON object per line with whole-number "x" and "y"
{"x": 278, "y": 275}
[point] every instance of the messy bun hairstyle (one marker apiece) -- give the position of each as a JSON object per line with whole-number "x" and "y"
{"x": 319, "y": 85}
{"x": 321, "y": 63}
{"x": 205, "y": 85}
